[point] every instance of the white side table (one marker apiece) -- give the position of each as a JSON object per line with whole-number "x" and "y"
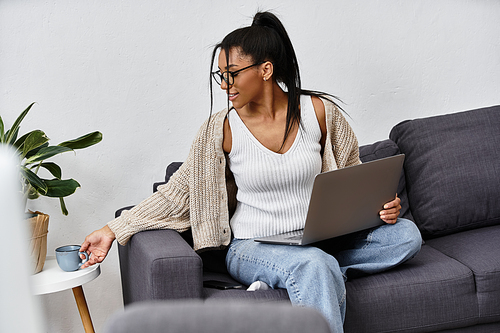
{"x": 52, "y": 279}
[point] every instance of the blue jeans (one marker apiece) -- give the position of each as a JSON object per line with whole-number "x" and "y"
{"x": 315, "y": 276}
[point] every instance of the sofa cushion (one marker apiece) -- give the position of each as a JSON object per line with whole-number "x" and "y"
{"x": 452, "y": 170}
{"x": 478, "y": 249}
{"x": 261, "y": 296}
{"x": 384, "y": 149}
{"x": 427, "y": 293}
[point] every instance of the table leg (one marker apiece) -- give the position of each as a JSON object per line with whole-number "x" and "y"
{"x": 83, "y": 309}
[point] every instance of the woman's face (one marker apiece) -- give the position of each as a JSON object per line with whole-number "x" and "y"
{"x": 248, "y": 84}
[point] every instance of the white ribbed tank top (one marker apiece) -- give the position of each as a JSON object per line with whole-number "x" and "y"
{"x": 273, "y": 189}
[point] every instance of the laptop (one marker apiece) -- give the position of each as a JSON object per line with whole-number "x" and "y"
{"x": 346, "y": 200}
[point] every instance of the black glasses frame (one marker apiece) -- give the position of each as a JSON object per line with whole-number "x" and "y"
{"x": 228, "y": 76}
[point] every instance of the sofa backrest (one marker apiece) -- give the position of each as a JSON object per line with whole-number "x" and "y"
{"x": 452, "y": 170}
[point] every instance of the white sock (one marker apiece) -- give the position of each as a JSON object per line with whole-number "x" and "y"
{"x": 258, "y": 285}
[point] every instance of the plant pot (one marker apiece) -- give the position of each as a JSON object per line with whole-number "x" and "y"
{"x": 39, "y": 226}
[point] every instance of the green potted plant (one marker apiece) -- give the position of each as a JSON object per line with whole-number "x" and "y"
{"x": 33, "y": 150}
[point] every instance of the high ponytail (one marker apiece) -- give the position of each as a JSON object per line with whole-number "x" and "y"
{"x": 286, "y": 67}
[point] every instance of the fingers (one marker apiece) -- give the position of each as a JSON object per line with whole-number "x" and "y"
{"x": 390, "y": 214}
{"x": 97, "y": 246}
{"x": 88, "y": 246}
{"x": 93, "y": 259}
{"x": 391, "y": 211}
{"x": 389, "y": 218}
{"x": 84, "y": 248}
{"x": 85, "y": 245}
{"x": 393, "y": 204}
{"x": 87, "y": 264}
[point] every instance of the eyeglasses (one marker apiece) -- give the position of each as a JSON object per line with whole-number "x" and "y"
{"x": 228, "y": 76}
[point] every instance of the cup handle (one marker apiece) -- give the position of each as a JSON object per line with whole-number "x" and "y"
{"x": 85, "y": 260}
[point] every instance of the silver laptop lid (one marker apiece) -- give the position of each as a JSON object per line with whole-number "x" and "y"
{"x": 350, "y": 199}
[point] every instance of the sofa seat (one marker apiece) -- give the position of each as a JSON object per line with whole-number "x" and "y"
{"x": 459, "y": 272}
{"x": 416, "y": 294}
{"x": 263, "y": 296}
{"x": 474, "y": 249}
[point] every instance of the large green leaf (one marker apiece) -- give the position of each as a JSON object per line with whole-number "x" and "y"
{"x": 47, "y": 152}
{"x": 57, "y": 188}
{"x": 15, "y": 128}
{"x": 83, "y": 141}
{"x": 12, "y": 136}
{"x": 35, "y": 151}
{"x": 53, "y": 168}
{"x": 34, "y": 180}
{"x": 34, "y": 140}
{"x": 19, "y": 144}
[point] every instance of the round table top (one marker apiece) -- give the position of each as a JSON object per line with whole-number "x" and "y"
{"x": 52, "y": 278}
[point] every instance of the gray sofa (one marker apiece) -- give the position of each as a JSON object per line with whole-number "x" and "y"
{"x": 194, "y": 316}
{"x": 450, "y": 187}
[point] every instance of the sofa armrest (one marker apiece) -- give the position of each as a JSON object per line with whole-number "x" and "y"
{"x": 159, "y": 264}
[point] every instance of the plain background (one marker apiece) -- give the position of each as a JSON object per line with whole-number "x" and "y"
{"x": 138, "y": 71}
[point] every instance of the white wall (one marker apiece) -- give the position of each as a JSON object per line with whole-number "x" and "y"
{"x": 138, "y": 72}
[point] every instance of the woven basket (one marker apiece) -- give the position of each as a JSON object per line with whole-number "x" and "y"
{"x": 39, "y": 226}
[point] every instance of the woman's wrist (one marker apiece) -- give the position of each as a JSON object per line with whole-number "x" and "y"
{"x": 107, "y": 230}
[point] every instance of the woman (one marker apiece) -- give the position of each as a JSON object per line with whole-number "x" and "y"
{"x": 249, "y": 174}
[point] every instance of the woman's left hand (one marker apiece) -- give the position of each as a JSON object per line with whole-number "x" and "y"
{"x": 391, "y": 211}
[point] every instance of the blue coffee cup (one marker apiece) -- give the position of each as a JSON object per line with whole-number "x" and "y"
{"x": 68, "y": 257}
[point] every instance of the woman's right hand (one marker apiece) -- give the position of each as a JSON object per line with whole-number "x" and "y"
{"x": 97, "y": 245}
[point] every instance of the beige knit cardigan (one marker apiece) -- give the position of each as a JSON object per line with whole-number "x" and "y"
{"x": 201, "y": 195}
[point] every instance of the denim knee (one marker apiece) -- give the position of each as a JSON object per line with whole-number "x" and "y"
{"x": 316, "y": 261}
{"x": 318, "y": 272}
{"x": 411, "y": 237}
